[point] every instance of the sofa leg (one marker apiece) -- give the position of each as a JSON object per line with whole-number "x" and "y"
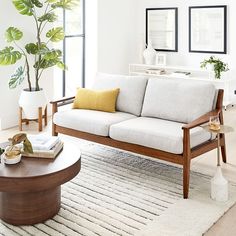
{"x": 186, "y": 162}
{"x": 54, "y": 133}
{"x": 186, "y": 177}
{"x": 223, "y": 148}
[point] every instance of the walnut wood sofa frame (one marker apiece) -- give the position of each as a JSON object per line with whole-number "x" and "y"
{"x": 183, "y": 159}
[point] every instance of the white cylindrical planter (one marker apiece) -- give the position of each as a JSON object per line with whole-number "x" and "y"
{"x": 219, "y": 187}
{"x": 30, "y": 101}
{"x": 211, "y": 73}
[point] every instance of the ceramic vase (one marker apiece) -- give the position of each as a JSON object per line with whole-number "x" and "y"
{"x": 30, "y": 101}
{"x": 149, "y": 55}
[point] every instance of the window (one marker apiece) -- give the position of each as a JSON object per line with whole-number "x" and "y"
{"x": 73, "y": 48}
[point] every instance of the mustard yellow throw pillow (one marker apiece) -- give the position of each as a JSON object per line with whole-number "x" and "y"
{"x": 101, "y": 100}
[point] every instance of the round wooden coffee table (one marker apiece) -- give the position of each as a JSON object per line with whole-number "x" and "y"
{"x": 30, "y": 191}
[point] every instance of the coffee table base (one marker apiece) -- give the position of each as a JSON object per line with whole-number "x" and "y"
{"x": 31, "y": 207}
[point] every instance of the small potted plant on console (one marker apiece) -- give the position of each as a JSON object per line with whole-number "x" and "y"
{"x": 217, "y": 65}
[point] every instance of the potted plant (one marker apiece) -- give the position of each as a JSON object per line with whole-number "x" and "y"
{"x": 218, "y": 66}
{"x": 37, "y": 56}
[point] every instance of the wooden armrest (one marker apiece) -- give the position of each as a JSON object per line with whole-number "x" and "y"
{"x": 61, "y": 102}
{"x": 202, "y": 119}
{"x": 65, "y": 99}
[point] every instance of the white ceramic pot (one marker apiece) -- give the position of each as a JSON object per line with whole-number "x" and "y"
{"x": 211, "y": 73}
{"x": 30, "y": 101}
{"x": 149, "y": 55}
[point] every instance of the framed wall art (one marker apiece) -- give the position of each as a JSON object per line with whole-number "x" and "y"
{"x": 162, "y": 28}
{"x": 208, "y": 29}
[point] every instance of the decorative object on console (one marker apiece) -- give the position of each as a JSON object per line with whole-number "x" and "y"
{"x": 181, "y": 74}
{"x": 160, "y": 59}
{"x": 149, "y": 54}
{"x": 208, "y": 29}
{"x": 218, "y": 65}
{"x": 43, "y": 57}
{"x": 155, "y": 71}
{"x": 162, "y": 28}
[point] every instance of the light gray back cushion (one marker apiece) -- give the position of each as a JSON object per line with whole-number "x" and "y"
{"x": 178, "y": 100}
{"x": 132, "y": 90}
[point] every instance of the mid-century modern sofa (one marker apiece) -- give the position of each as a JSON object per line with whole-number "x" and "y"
{"x": 160, "y": 118}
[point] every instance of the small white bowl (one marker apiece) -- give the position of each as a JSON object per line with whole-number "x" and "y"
{"x": 11, "y": 161}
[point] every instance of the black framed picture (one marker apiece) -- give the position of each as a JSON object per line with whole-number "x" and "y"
{"x": 162, "y": 28}
{"x": 208, "y": 29}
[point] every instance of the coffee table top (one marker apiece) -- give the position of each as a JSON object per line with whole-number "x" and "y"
{"x": 39, "y": 172}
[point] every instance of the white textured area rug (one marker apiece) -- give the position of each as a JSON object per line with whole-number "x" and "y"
{"x": 118, "y": 193}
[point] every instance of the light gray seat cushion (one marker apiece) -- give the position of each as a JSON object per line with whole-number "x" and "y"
{"x": 156, "y": 133}
{"x": 93, "y": 122}
{"x": 181, "y": 101}
{"x": 132, "y": 89}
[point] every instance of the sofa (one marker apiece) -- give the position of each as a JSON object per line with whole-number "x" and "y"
{"x": 160, "y": 118}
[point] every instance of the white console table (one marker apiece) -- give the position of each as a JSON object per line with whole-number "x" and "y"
{"x": 195, "y": 74}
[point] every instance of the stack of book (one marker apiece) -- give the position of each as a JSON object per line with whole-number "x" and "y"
{"x": 44, "y": 146}
{"x": 155, "y": 71}
{"x": 181, "y": 74}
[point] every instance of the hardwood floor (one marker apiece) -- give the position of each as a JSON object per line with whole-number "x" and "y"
{"x": 205, "y": 163}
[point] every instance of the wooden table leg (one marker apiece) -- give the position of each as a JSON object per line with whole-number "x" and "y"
{"x": 31, "y": 207}
{"x": 20, "y": 118}
{"x": 46, "y": 116}
{"x": 40, "y": 119}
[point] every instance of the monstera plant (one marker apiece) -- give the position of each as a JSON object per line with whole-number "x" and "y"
{"x": 39, "y": 53}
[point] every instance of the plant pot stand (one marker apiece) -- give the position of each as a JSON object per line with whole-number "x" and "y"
{"x": 40, "y": 118}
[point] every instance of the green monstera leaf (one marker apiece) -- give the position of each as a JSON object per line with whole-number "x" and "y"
{"x": 54, "y": 54}
{"x": 17, "y": 78}
{"x": 8, "y": 56}
{"x": 43, "y": 49}
{"x": 13, "y": 34}
{"x": 56, "y": 34}
{"x": 65, "y": 4}
{"x": 25, "y": 7}
{"x": 44, "y": 64}
{"x": 31, "y": 48}
{"x": 50, "y": 58}
{"x": 37, "y": 3}
{"x": 50, "y": 17}
{"x": 61, "y": 65}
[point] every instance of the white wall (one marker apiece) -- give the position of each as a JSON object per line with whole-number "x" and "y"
{"x": 91, "y": 45}
{"x": 9, "y": 98}
{"x": 116, "y": 36}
